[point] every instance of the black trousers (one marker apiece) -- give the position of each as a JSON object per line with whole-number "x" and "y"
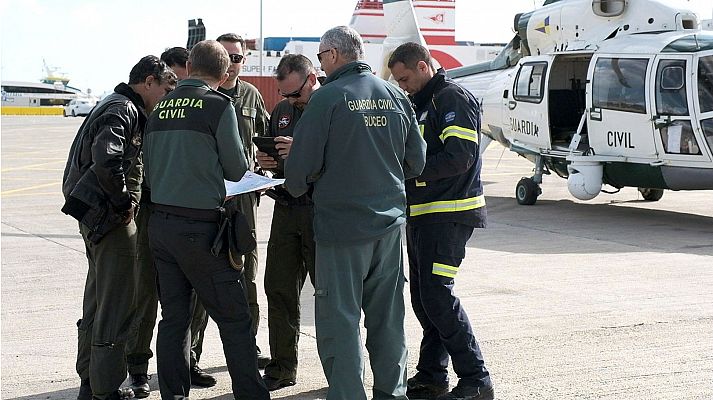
{"x": 185, "y": 266}
{"x": 435, "y": 253}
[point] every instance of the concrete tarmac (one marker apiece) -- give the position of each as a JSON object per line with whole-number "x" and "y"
{"x": 606, "y": 299}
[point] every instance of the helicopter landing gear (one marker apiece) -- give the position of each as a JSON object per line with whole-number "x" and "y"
{"x": 528, "y": 189}
{"x": 651, "y": 194}
{"x": 526, "y": 192}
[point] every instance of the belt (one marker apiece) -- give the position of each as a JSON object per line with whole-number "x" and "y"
{"x": 191, "y": 213}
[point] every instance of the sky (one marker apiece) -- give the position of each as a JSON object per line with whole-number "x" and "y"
{"x": 97, "y": 42}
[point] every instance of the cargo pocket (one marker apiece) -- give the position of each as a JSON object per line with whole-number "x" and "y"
{"x": 321, "y": 303}
{"x": 229, "y": 293}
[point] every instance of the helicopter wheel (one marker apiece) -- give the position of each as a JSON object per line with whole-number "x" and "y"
{"x": 651, "y": 194}
{"x": 526, "y": 192}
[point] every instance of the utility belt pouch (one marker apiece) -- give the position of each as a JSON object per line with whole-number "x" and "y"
{"x": 234, "y": 231}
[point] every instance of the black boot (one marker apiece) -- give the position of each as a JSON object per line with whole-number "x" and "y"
{"x": 200, "y": 378}
{"x": 122, "y": 394}
{"x": 140, "y": 385}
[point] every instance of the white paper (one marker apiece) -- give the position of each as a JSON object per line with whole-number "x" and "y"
{"x": 674, "y": 139}
{"x": 250, "y": 182}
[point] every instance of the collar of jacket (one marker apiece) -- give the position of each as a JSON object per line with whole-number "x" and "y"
{"x": 126, "y": 90}
{"x": 421, "y": 98}
{"x": 354, "y": 67}
{"x": 234, "y": 92}
{"x": 192, "y": 83}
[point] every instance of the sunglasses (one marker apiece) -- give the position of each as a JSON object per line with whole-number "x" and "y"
{"x": 319, "y": 55}
{"x": 236, "y": 58}
{"x": 297, "y": 93}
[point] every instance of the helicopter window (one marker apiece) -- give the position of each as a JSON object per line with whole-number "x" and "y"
{"x": 678, "y": 138}
{"x": 707, "y": 125}
{"x": 608, "y": 8}
{"x": 619, "y": 84}
{"x": 705, "y": 83}
{"x": 530, "y": 82}
{"x": 672, "y": 77}
{"x": 671, "y": 88}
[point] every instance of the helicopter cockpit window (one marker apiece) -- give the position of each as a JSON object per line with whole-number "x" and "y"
{"x": 705, "y": 83}
{"x": 619, "y": 84}
{"x": 530, "y": 82}
{"x": 608, "y": 8}
{"x": 671, "y": 88}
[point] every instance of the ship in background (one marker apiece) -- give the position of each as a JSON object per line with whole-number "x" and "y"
{"x": 435, "y": 19}
{"x": 45, "y": 97}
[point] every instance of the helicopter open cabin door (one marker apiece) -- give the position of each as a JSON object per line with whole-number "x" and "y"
{"x": 619, "y": 122}
{"x": 679, "y": 137}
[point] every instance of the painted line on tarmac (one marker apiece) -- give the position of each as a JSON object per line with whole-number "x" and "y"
{"x": 30, "y": 166}
{"x": 28, "y": 188}
{"x": 30, "y": 194}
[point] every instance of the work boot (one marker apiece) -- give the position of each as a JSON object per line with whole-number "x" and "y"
{"x": 200, "y": 378}
{"x": 277, "y": 383}
{"x": 262, "y": 360}
{"x": 140, "y": 385}
{"x": 417, "y": 390}
{"x": 470, "y": 393}
{"x": 122, "y": 394}
{"x": 85, "y": 390}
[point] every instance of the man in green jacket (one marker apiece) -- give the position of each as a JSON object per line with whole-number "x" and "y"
{"x": 192, "y": 144}
{"x": 355, "y": 145}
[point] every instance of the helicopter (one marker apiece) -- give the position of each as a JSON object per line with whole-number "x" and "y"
{"x": 615, "y": 92}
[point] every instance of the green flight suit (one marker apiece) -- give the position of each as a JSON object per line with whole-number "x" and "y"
{"x": 138, "y": 347}
{"x": 290, "y": 259}
{"x": 253, "y": 120}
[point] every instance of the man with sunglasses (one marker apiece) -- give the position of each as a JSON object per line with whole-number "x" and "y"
{"x": 356, "y": 143}
{"x": 252, "y": 121}
{"x": 290, "y": 251}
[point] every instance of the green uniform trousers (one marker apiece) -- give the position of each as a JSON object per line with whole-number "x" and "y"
{"x": 290, "y": 258}
{"x": 351, "y": 278}
{"x": 138, "y": 348}
{"x": 248, "y": 206}
{"x": 107, "y": 309}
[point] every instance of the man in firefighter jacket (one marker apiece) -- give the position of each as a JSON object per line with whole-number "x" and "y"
{"x": 445, "y": 204}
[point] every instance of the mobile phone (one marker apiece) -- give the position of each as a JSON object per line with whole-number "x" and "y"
{"x": 266, "y": 144}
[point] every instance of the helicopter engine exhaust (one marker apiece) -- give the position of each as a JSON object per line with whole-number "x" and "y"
{"x": 585, "y": 179}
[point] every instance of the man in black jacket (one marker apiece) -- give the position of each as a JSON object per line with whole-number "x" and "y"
{"x": 290, "y": 250}
{"x": 95, "y": 191}
{"x": 445, "y": 204}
